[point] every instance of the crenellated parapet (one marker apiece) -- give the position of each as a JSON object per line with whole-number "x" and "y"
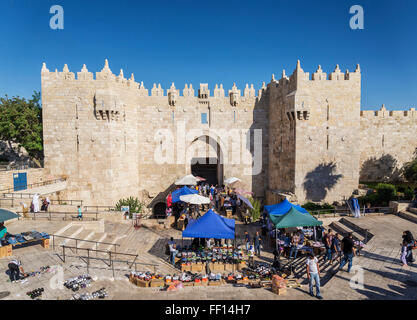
{"x": 384, "y": 113}
{"x": 106, "y": 75}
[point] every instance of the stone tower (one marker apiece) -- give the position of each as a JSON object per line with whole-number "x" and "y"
{"x": 314, "y": 134}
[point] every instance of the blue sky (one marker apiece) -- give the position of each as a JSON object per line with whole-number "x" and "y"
{"x": 214, "y": 42}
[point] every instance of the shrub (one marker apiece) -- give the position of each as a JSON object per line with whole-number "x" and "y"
{"x": 311, "y": 206}
{"x": 386, "y": 192}
{"x": 256, "y": 211}
{"x": 135, "y": 206}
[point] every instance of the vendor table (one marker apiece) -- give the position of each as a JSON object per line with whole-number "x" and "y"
{"x": 229, "y": 213}
{"x": 7, "y": 251}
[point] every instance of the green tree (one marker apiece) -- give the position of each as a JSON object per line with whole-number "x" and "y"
{"x": 21, "y": 123}
{"x": 410, "y": 169}
{"x": 256, "y": 211}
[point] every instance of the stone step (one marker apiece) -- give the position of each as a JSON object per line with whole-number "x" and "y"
{"x": 408, "y": 216}
{"x": 345, "y": 230}
{"x": 365, "y": 233}
{"x": 412, "y": 210}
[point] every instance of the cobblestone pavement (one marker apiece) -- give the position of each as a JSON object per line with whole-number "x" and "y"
{"x": 383, "y": 276}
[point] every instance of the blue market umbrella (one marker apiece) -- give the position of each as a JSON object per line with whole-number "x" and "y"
{"x": 7, "y": 215}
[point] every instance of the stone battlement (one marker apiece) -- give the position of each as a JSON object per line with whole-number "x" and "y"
{"x": 384, "y": 113}
{"x": 157, "y": 91}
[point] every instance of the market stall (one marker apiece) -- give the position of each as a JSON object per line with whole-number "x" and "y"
{"x": 225, "y": 258}
{"x": 293, "y": 219}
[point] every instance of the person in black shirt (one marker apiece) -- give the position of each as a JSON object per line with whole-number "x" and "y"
{"x": 348, "y": 252}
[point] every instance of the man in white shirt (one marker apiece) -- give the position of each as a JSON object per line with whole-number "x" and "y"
{"x": 15, "y": 268}
{"x": 313, "y": 273}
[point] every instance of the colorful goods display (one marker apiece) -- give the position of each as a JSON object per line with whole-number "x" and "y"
{"x": 99, "y": 294}
{"x": 35, "y": 294}
{"x": 76, "y": 283}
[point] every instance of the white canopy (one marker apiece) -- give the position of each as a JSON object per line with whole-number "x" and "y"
{"x": 188, "y": 180}
{"x": 195, "y": 199}
{"x": 231, "y": 180}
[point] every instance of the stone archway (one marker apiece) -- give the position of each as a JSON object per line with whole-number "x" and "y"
{"x": 208, "y": 162}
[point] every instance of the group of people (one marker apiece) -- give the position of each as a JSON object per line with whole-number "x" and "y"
{"x": 39, "y": 204}
{"x": 343, "y": 250}
{"x": 253, "y": 247}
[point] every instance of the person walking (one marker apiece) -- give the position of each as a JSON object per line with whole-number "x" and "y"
{"x": 15, "y": 268}
{"x": 257, "y": 240}
{"x": 409, "y": 239}
{"x": 80, "y": 213}
{"x": 328, "y": 238}
{"x": 247, "y": 241}
{"x": 294, "y": 245}
{"x": 336, "y": 249}
{"x": 348, "y": 249}
{"x": 172, "y": 250}
{"x": 404, "y": 253}
{"x": 313, "y": 274}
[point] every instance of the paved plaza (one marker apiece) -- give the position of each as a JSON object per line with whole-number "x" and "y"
{"x": 382, "y": 273}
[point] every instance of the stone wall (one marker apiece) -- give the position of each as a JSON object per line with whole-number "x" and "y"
{"x": 388, "y": 140}
{"x": 111, "y": 139}
{"x": 33, "y": 176}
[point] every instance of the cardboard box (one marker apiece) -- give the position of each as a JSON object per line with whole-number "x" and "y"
{"x": 45, "y": 243}
{"x": 214, "y": 283}
{"x": 142, "y": 283}
{"x": 196, "y": 267}
{"x": 241, "y": 266}
{"x": 185, "y": 267}
{"x": 187, "y": 284}
{"x": 279, "y": 291}
{"x": 6, "y": 251}
{"x": 157, "y": 283}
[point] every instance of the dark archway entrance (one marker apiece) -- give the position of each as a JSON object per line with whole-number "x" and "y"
{"x": 206, "y": 168}
{"x": 159, "y": 210}
{"x": 210, "y": 166}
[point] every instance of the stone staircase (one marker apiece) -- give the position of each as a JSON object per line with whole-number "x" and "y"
{"x": 345, "y": 226}
{"x": 409, "y": 214}
{"x": 129, "y": 241}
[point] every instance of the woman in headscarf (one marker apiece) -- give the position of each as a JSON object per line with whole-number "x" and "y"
{"x": 35, "y": 202}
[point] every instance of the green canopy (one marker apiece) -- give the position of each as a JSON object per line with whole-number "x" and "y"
{"x": 7, "y": 215}
{"x": 294, "y": 218}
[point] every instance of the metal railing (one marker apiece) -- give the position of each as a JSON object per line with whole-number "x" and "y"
{"x": 347, "y": 212}
{"x": 77, "y": 240}
{"x": 16, "y": 200}
{"x": 34, "y": 185}
{"x": 99, "y": 208}
{"x": 61, "y": 215}
{"x": 111, "y": 260}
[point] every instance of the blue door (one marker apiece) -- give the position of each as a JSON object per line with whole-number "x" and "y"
{"x": 20, "y": 181}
